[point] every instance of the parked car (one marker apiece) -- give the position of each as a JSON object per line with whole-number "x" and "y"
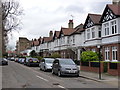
{"x": 32, "y": 62}
{"x": 46, "y": 64}
{"x": 16, "y": 59}
{"x": 19, "y": 59}
{"x": 4, "y": 61}
{"x": 11, "y": 58}
{"x": 64, "y": 67}
{"x": 22, "y": 60}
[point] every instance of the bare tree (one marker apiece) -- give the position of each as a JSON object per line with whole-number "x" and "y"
{"x": 11, "y": 11}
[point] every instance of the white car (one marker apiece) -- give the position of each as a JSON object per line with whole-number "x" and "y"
{"x": 46, "y": 64}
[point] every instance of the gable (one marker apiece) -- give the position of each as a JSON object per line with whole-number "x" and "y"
{"x": 107, "y": 15}
{"x": 88, "y": 23}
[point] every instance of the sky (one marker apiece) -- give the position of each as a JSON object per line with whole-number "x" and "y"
{"x": 41, "y": 16}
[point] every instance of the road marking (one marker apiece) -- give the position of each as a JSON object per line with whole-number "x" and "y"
{"x": 61, "y": 86}
{"x": 42, "y": 78}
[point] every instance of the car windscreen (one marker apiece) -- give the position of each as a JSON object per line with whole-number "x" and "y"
{"x": 35, "y": 59}
{"x": 49, "y": 60}
{"x": 67, "y": 62}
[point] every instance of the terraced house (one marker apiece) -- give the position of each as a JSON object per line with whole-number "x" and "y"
{"x": 102, "y": 30}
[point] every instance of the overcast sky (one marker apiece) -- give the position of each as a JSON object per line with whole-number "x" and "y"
{"x": 41, "y": 16}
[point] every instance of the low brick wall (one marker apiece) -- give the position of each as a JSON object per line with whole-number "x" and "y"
{"x": 114, "y": 72}
{"x": 91, "y": 69}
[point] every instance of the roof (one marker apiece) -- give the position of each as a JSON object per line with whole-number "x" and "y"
{"x": 115, "y": 8}
{"x": 67, "y": 31}
{"x": 78, "y": 29}
{"x": 57, "y": 33}
{"x": 36, "y": 42}
{"x": 95, "y": 18}
{"x": 47, "y": 39}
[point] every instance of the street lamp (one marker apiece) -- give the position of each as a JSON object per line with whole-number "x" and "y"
{"x": 99, "y": 47}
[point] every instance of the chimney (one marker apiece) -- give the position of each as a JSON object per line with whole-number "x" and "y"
{"x": 70, "y": 24}
{"x": 116, "y": 2}
{"x": 50, "y": 33}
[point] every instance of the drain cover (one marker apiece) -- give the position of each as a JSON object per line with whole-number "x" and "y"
{"x": 56, "y": 84}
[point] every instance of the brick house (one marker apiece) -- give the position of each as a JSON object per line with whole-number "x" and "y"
{"x": 22, "y": 45}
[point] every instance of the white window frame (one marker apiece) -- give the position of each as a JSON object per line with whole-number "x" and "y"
{"x": 93, "y": 32}
{"x": 68, "y": 40}
{"x": 73, "y": 39}
{"x": 107, "y": 53}
{"x": 88, "y": 34}
{"x": 113, "y": 27}
{"x": 114, "y": 53}
{"x": 99, "y": 32}
{"x": 106, "y": 29}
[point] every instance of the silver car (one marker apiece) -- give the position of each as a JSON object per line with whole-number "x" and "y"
{"x": 65, "y": 67}
{"x": 46, "y": 64}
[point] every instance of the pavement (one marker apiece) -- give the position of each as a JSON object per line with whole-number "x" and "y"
{"x": 105, "y": 78}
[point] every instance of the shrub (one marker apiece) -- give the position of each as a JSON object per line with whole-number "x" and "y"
{"x": 55, "y": 55}
{"x": 89, "y": 56}
{"x": 38, "y": 57}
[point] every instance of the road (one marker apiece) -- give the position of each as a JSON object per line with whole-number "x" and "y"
{"x": 16, "y": 75}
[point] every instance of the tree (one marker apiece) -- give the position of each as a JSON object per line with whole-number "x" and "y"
{"x": 33, "y": 53}
{"x": 89, "y": 56}
{"x": 11, "y": 11}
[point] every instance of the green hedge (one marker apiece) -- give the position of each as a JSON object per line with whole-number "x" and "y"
{"x": 89, "y": 56}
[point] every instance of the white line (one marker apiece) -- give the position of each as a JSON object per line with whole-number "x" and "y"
{"x": 42, "y": 78}
{"x": 61, "y": 86}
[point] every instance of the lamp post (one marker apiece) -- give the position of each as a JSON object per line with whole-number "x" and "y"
{"x": 99, "y": 47}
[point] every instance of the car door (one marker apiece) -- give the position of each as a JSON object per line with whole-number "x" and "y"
{"x": 42, "y": 64}
{"x": 55, "y": 66}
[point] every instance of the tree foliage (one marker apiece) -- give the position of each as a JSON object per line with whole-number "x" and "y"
{"x": 33, "y": 53}
{"x": 11, "y": 12}
{"x": 55, "y": 55}
{"x": 89, "y": 56}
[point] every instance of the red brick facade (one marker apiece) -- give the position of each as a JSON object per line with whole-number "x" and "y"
{"x": 91, "y": 69}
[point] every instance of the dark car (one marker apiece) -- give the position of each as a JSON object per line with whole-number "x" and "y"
{"x": 32, "y": 62}
{"x": 4, "y": 61}
{"x": 65, "y": 67}
{"x": 16, "y": 59}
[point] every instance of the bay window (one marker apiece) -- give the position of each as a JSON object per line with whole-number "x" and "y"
{"x": 107, "y": 53}
{"x": 114, "y": 53}
{"x": 114, "y": 27}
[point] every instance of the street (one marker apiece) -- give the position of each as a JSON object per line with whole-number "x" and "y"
{"x": 16, "y": 75}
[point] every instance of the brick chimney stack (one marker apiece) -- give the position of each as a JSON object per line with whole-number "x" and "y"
{"x": 50, "y": 33}
{"x": 116, "y": 2}
{"x": 70, "y": 24}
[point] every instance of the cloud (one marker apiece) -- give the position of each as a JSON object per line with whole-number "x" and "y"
{"x": 41, "y": 16}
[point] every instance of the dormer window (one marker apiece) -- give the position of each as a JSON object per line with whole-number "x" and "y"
{"x": 106, "y": 28}
{"x": 114, "y": 27}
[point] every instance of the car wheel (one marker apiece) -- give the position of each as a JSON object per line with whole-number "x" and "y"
{"x": 59, "y": 73}
{"x": 40, "y": 68}
{"x": 52, "y": 71}
{"x": 44, "y": 69}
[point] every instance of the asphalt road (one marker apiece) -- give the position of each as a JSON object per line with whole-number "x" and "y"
{"x": 16, "y": 75}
